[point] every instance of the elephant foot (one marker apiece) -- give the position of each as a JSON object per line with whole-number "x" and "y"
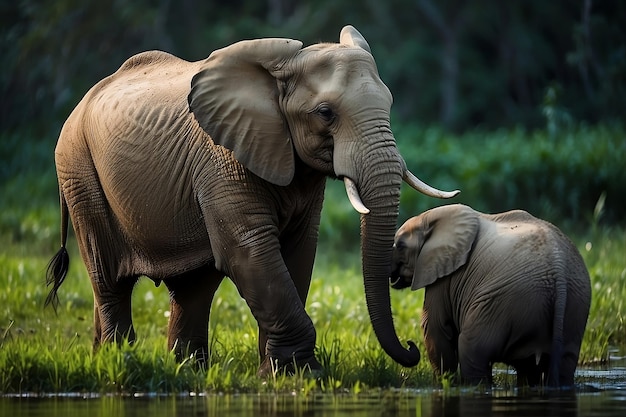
{"x": 198, "y": 356}
{"x": 310, "y": 367}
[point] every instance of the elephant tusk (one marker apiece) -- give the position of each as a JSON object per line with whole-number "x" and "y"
{"x": 424, "y": 188}
{"x": 353, "y": 196}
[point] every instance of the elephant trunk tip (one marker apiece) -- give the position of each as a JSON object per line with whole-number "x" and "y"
{"x": 410, "y": 358}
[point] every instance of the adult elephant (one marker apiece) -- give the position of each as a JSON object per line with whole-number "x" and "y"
{"x": 187, "y": 172}
{"x": 505, "y": 288}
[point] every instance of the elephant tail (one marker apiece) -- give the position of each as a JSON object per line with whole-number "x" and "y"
{"x": 556, "y": 354}
{"x": 60, "y": 263}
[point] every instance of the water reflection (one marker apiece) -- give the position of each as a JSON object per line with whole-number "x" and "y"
{"x": 602, "y": 392}
{"x": 506, "y": 405}
{"x": 399, "y": 403}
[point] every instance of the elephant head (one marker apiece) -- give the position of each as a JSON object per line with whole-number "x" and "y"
{"x": 286, "y": 111}
{"x": 433, "y": 245}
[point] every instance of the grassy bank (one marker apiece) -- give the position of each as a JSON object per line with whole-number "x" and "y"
{"x": 41, "y": 351}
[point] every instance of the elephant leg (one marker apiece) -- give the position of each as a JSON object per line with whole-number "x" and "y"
{"x": 191, "y": 295}
{"x": 276, "y": 305}
{"x": 299, "y": 258}
{"x": 574, "y": 329}
{"x": 475, "y": 353}
{"x": 101, "y": 249}
{"x": 112, "y": 301}
{"x": 299, "y": 255}
{"x": 440, "y": 333}
{"x": 567, "y": 369}
{"x": 112, "y": 290}
{"x": 262, "y": 344}
{"x": 112, "y": 312}
{"x": 248, "y": 249}
{"x": 97, "y": 327}
{"x": 529, "y": 372}
{"x": 441, "y": 350}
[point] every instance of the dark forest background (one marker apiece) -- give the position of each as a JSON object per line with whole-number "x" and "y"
{"x": 459, "y": 64}
{"x": 520, "y": 104}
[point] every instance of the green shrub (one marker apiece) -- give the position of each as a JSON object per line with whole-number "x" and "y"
{"x": 558, "y": 177}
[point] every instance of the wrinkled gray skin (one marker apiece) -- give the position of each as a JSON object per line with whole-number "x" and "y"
{"x": 187, "y": 172}
{"x": 505, "y": 288}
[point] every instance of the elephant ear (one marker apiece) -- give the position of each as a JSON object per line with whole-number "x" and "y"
{"x": 235, "y": 99}
{"x": 450, "y": 234}
{"x": 350, "y": 36}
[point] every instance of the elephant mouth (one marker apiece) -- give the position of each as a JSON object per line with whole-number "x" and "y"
{"x": 398, "y": 282}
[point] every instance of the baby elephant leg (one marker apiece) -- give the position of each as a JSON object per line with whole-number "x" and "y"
{"x": 475, "y": 359}
{"x": 440, "y": 344}
{"x": 530, "y": 371}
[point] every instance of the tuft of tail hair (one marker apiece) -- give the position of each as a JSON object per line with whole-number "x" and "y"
{"x": 60, "y": 263}
{"x": 55, "y": 275}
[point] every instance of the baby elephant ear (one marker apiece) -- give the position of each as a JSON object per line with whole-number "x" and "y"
{"x": 234, "y": 98}
{"x": 450, "y": 236}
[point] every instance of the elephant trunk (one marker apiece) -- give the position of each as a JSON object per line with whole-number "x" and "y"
{"x": 380, "y": 191}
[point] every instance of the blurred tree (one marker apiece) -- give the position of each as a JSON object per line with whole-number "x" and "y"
{"x": 58, "y": 49}
{"x": 454, "y": 62}
{"x": 599, "y": 55}
{"x": 448, "y": 28}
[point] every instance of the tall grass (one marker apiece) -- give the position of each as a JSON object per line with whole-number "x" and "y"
{"x": 604, "y": 252}
{"x": 41, "y": 351}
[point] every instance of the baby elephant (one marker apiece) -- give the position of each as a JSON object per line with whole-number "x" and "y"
{"x": 505, "y": 288}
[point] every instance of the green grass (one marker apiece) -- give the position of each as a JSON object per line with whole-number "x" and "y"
{"x": 41, "y": 351}
{"x": 604, "y": 253}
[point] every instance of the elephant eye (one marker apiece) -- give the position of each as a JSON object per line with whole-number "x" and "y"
{"x": 325, "y": 112}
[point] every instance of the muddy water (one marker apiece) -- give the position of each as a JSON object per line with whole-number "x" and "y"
{"x": 601, "y": 392}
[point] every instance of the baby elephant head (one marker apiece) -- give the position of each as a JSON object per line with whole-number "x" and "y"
{"x": 433, "y": 245}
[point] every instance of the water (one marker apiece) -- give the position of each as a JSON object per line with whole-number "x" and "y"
{"x": 388, "y": 404}
{"x": 602, "y": 392}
